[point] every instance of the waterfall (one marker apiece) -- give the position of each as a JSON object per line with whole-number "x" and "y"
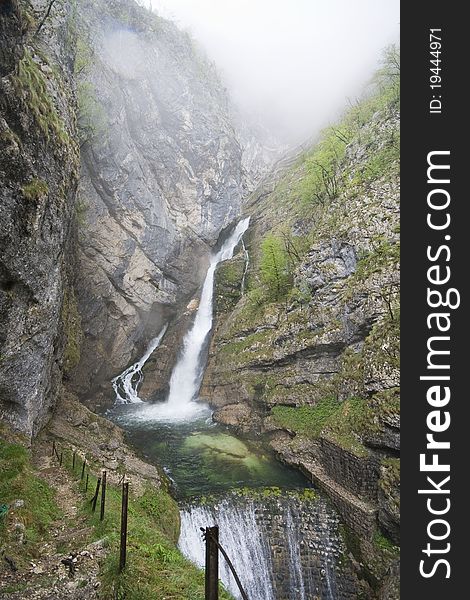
{"x": 282, "y": 548}
{"x": 241, "y": 538}
{"x": 186, "y": 378}
{"x": 127, "y": 383}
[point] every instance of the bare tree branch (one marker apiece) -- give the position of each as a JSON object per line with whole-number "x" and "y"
{"x": 48, "y": 12}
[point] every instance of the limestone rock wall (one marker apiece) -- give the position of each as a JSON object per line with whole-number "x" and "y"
{"x": 39, "y": 163}
{"x": 162, "y": 176}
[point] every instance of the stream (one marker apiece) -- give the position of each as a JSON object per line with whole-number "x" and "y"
{"x": 281, "y": 535}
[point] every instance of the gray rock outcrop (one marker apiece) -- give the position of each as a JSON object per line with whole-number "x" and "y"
{"x": 162, "y": 177}
{"x": 38, "y": 179}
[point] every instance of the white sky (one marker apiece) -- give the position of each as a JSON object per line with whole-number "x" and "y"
{"x": 291, "y": 63}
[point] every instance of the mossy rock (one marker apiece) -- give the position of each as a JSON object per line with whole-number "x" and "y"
{"x": 35, "y": 190}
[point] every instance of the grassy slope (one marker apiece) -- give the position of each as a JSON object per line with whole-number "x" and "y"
{"x": 155, "y": 567}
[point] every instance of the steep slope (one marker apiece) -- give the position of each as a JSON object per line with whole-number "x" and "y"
{"x": 162, "y": 176}
{"x": 39, "y": 163}
{"x": 305, "y": 348}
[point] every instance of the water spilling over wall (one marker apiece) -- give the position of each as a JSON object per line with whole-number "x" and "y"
{"x": 283, "y": 546}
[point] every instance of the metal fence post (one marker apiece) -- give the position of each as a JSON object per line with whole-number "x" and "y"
{"x": 212, "y": 563}
{"x": 95, "y": 497}
{"x": 125, "y": 501}
{"x": 103, "y": 495}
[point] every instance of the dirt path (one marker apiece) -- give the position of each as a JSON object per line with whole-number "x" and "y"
{"x": 47, "y": 577}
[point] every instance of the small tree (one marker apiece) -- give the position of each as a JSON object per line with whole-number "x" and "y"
{"x": 274, "y": 267}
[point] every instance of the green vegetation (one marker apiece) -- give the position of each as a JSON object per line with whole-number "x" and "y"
{"x": 28, "y": 19}
{"x": 274, "y": 267}
{"x": 323, "y": 178}
{"x": 383, "y": 543}
{"x": 339, "y": 421}
{"x": 154, "y": 564}
{"x": 32, "y": 89}
{"x": 390, "y": 481}
{"x": 84, "y": 56}
{"x": 330, "y": 189}
{"x": 92, "y": 120}
{"x": 19, "y": 482}
{"x": 228, "y": 282}
{"x": 81, "y": 208}
{"x": 35, "y": 189}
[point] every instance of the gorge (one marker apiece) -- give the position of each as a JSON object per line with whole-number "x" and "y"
{"x": 260, "y": 290}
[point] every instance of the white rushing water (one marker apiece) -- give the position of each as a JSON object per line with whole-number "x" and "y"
{"x": 280, "y": 548}
{"x": 126, "y": 384}
{"x": 240, "y": 537}
{"x": 187, "y": 374}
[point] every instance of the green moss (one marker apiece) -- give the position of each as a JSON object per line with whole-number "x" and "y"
{"x": 342, "y": 422}
{"x": 386, "y": 403}
{"x": 379, "y": 162}
{"x": 72, "y": 327}
{"x": 354, "y": 547}
{"x": 10, "y": 137}
{"x": 32, "y": 88}
{"x": 306, "y": 420}
{"x": 228, "y": 282}
{"x": 383, "y": 544}
{"x": 28, "y": 20}
{"x": 255, "y": 347}
{"x": 81, "y": 208}
{"x": 277, "y": 393}
{"x": 258, "y": 493}
{"x": 84, "y": 55}
{"x": 35, "y": 189}
{"x": 390, "y": 481}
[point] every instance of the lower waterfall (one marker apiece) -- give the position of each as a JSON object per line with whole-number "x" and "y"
{"x": 126, "y": 384}
{"x": 283, "y": 547}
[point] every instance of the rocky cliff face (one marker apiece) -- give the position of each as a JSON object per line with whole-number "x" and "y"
{"x": 85, "y": 284}
{"x": 38, "y": 179}
{"x": 306, "y": 351}
{"x": 162, "y": 177}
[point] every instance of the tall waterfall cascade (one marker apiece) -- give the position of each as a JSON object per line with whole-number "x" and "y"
{"x": 187, "y": 374}
{"x": 281, "y": 547}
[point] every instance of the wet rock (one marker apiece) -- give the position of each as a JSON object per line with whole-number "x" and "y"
{"x": 239, "y": 416}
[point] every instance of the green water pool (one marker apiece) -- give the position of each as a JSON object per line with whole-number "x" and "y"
{"x": 203, "y": 458}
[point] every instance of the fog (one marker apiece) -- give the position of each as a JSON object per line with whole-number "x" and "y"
{"x": 291, "y": 65}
